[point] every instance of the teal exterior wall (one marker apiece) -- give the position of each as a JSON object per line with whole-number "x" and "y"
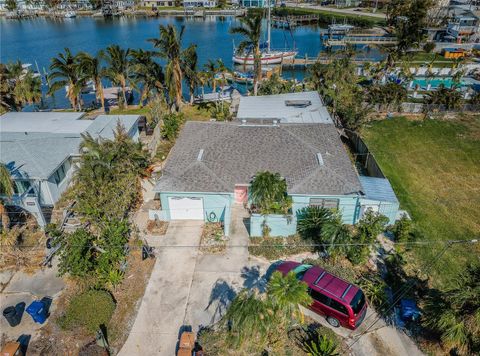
{"x": 280, "y": 225}
{"x": 348, "y": 205}
{"x": 217, "y": 203}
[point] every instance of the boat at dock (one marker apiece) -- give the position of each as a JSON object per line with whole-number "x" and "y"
{"x": 267, "y": 55}
{"x": 70, "y": 14}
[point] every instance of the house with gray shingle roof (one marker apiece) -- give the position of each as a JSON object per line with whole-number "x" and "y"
{"x": 212, "y": 164}
{"x": 40, "y": 150}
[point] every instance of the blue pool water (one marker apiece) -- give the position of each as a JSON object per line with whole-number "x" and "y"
{"x": 423, "y": 82}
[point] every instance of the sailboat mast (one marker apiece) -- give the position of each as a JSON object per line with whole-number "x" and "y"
{"x": 268, "y": 25}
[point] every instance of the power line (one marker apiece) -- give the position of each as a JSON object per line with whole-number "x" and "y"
{"x": 400, "y": 294}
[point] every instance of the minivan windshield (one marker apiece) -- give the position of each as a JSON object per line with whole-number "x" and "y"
{"x": 301, "y": 270}
{"x": 358, "y": 302}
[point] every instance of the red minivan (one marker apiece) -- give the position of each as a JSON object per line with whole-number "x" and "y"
{"x": 340, "y": 301}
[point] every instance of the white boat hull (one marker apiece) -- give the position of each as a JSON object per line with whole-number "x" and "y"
{"x": 274, "y": 57}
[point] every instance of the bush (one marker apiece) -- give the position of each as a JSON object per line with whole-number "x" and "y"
{"x": 88, "y": 310}
{"x": 429, "y": 47}
{"x": 171, "y": 126}
{"x": 273, "y": 248}
{"x": 403, "y": 229}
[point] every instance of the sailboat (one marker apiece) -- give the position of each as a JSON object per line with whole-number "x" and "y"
{"x": 268, "y": 56}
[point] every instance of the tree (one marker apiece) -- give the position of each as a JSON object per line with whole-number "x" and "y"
{"x": 287, "y": 294}
{"x": 147, "y": 73}
{"x": 276, "y": 85}
{"x": 189, "y": 68}
{"x": 118, "y": 67}
{"x": 106, "y": 185}
{"x": 409, "y": 17}
{"x": 455, "y": 313}
{"x": 169, "y": 45}
{"x": 28, "y": 89}
{"x": 251, "y": 30}
{"x": 171, "y": 126}
{"x": 7, "y": 97}
{"x": 91, "y": 69}
{"x": 65, "y": 74}
{"x": 6, "y": 190}
{"x": 389, "y": 96}
{"x": 211, "y": 69}
{"x": 337, "y": 82}
{"x": 448, "y": 98}
{"x": 269, "y": 193}
{"x": 11, "y": 5}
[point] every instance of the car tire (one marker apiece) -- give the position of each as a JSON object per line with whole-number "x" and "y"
{"x": 333, "y": 322}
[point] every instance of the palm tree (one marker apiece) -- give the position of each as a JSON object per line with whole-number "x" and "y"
{"x": 211, "y": 70}
{"x": 65, "y": 73}
{"x": 189, "y": 68}
{"x": 147, "y": 73}
{"x": 269, "y": 193}
{"x": 251, "y": 29}
{"x": 91, "y": 69}
{"x": 28, "y": 89}
{"x": 118, "y": 67}
{"x": 6, "y": 190}
{"x": 169, "y": 47}
{"x": 287, "y": 294}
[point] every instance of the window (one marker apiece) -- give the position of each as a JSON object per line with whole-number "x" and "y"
{"x": 324, "y": 203}
{"x": 338, "y": 307}
{"x": 358, "y": 302}
{"x": 319, "y": 297}
{"x": 21, "y": 186}
{"x": 60, "y": 174}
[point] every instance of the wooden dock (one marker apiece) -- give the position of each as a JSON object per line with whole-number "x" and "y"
{"x": 352, "y": 39}
{"x": 294, "y": 21}
{"x": 308, "y": 61}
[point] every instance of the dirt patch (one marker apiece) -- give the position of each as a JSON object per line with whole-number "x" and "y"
{"x": 213, "y": 239}
{"x": 157, "y": 227}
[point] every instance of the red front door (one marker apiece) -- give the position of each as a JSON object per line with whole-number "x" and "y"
{"x": 241, "y": 194}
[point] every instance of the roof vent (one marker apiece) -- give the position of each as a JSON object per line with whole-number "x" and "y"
{"x": 298, "y": 103}
{"x": 320, "y": 159}
{"x": 200, "y": 155}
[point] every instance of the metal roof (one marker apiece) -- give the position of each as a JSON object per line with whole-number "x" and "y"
{"x": 233, "y": 154}
{"x": 39, "y": 153}
{"x": 278, "y": 107}
{"x": 378, "y": 189}
{"x": 52, "y": 122}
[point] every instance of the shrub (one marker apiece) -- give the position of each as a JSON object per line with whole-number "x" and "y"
{"x": 311, "y": 220}
{"x": 171, "y": 126}
{"x": 403, "y": 229}
{"x": 374, "y": 288}
{"x": 88, "y": 310}
{"x": 273, "y": 248}
{"x": 321, "y": 346}
{"x": 429, "y": 46}
{"x": 221, "y": 112}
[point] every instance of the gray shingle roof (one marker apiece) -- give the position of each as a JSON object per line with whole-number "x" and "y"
{"x": 233, "y": 154}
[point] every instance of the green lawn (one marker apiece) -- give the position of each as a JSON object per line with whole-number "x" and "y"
{"x": 434, "y": 167}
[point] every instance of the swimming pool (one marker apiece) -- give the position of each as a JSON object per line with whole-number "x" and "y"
{"x": 423, "y": 82}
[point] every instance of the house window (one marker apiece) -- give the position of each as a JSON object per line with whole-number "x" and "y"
{"x": 21, "y": 186}
{"x": 324, "y": 203}
{"x": 60, "y": 174}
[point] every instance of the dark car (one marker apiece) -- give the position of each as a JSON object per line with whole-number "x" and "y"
{"x": 341, "y": 302}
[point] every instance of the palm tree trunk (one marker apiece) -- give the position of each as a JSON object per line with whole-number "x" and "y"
{"x": 4, "y": 216}
{"x": 101, "y": 94}
{"x": 258, "y": 69}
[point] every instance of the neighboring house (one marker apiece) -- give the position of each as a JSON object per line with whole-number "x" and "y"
{"x": 200, "y": 3}
{"x": 462, "y": 23}
{"x": 153, "y": 4}
{"x": 212, "y": 165}
{"x": 347, "y": 3}
{"x": 253, "y": 3}
{"x": 41, "y": 150}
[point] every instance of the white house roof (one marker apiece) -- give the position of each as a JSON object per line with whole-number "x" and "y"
{"x": 53, "y": 122}
{"x": 282, "y": 107}
{"x": 38, "y": 144}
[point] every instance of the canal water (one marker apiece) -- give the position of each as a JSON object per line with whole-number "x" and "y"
{"x": 37, "y": 40}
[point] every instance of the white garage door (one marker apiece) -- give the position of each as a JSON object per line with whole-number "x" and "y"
{"x": 183, "y": 208}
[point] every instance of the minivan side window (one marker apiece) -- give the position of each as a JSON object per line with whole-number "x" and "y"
{"x": 338, "y": 307}
{"x": 319, "y": 297}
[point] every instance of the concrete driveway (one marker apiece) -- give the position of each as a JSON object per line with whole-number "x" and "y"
{"x": 188, "y": 289}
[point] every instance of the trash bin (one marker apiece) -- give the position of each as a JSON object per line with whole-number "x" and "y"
{"x": 13, "y": 318}
{"x": 37, "y": 311}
